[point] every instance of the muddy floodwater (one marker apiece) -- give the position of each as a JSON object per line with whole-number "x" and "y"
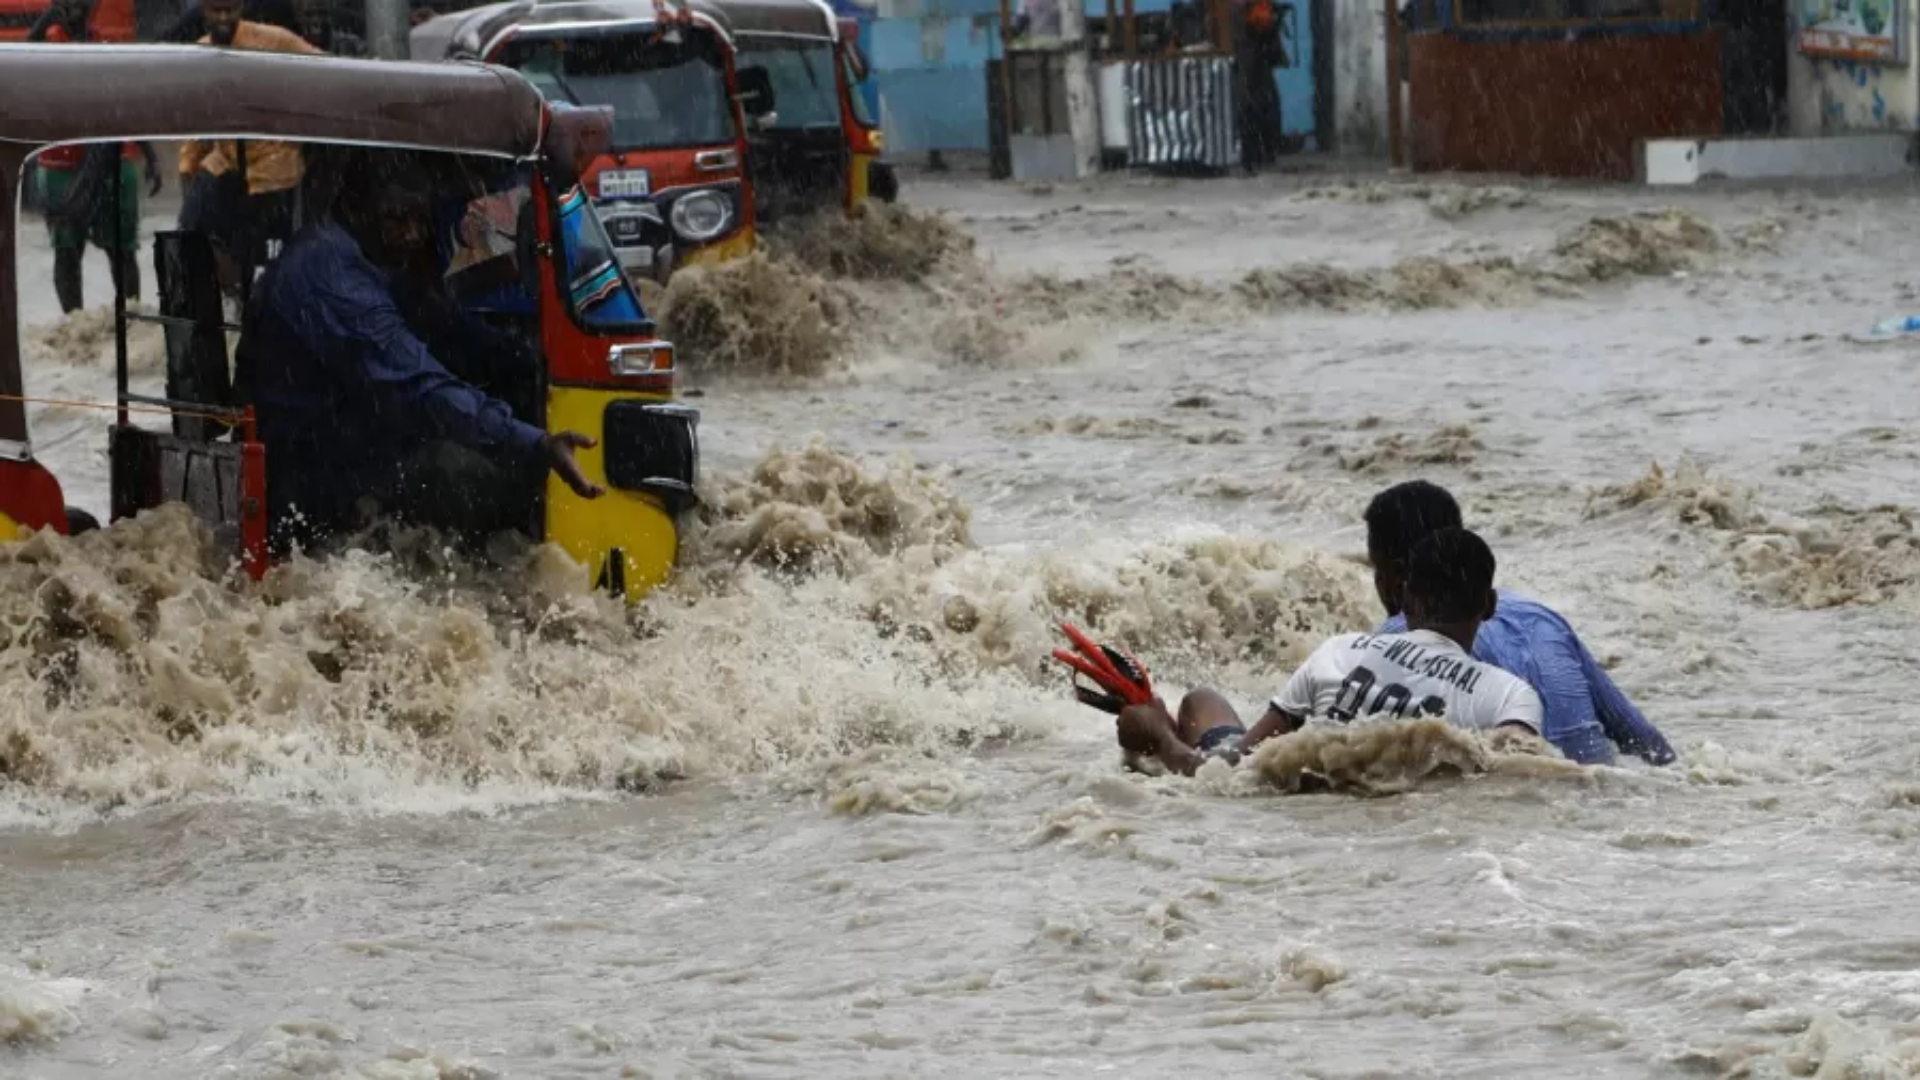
{"x": 819, "y": 809}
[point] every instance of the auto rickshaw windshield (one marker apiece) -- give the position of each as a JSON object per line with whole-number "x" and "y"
{"x": 805, "y": 92}
{"x": 662, "y": 94}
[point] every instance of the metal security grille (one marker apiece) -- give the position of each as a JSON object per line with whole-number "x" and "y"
{"x": 1181, "y": 113}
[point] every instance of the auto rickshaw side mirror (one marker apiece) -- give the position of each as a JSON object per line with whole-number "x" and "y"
{"x": 756, "y": 90}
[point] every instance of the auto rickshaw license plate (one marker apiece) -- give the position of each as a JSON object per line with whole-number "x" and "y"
{"x": 625, "y": 184}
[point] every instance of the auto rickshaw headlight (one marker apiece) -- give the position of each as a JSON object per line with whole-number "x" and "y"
{"x": 700, "y": 216}
{"x": 644, "y": 358}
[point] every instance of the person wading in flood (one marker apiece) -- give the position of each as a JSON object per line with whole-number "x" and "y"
{"x": 1587, "y": 715}
{"x": 233, "y": 212}
{"x": 1422, "y": 671}
{"x": 77, "y": 187}
{"x": 1257, "y": 52}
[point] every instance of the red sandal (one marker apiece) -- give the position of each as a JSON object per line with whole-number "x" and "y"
{"x": 1121, "y": 677}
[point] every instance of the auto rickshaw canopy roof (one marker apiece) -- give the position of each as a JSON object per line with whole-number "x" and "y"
{"x": 59, "y": 93}
{"x": 469, "y": 34}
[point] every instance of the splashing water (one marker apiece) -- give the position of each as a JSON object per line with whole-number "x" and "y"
{"x": 877, "y": 832}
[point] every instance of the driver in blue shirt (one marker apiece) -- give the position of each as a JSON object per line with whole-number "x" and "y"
{"x": 1587, "y": 716}
{"x": 354, "y": 403}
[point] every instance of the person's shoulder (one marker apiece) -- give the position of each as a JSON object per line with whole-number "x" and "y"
{"x": 1525, "y": 626}
{"x": 277, "y": 39}
{"x": 324, "y": 253}
{"x": 1499, "y": 681}
{"x": 1513, "y": 607}
{"x": 317, "y": 238}
{"x": 1517, "y": 701}
{"x": 1498, "y": 696}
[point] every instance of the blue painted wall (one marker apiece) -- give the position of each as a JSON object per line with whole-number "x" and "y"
{"x": 931, "y": 71}
{"x": 929, "y": 61}
{"x": 1296, "y": 82}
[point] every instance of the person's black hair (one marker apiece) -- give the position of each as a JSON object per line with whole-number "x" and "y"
{"x": 373, "y": 172}
{"x": 1449, "y": 575}
{"x": 366, "y": 185}
{"x": 1405, "y": 514}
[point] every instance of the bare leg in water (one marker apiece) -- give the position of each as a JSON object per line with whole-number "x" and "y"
{"x": 1150, "y": 731}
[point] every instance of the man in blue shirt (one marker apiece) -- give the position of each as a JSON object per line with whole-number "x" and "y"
{"x": 1586, "y": 714}
{"x": 353, "y": 403}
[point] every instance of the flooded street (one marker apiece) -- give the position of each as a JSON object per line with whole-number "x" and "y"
{"x": 825, "y": 813}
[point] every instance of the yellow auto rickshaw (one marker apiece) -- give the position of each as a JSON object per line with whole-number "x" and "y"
{"x": 552, "y": 279}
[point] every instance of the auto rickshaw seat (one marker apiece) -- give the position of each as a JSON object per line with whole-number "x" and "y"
{"x": 152, "y": 468}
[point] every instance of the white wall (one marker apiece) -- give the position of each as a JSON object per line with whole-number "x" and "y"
{"x": 1360, "y": 76}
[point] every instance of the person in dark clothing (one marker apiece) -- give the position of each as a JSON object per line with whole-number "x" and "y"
{"x": 353, "y": 403}
{"x": 1754, "y": 65}
{"x": 1257, "y": 52}
{"x": 1416, "y": 16}
{"x": 319, "y": 27}
{"x": 76, "y": 186}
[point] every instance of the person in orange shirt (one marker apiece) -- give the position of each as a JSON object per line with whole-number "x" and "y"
{"x": 233, "y": 212}
{"x": 76, "y": 187}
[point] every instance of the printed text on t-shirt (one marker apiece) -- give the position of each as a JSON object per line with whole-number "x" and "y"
{"x": 1463, "y": 674}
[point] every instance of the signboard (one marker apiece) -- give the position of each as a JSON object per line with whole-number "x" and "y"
{"x": 1867, "y": 30}
{"x": 1044, "y": 19}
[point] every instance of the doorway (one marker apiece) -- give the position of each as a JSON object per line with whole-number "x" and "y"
{"x": 1754, "y": 65}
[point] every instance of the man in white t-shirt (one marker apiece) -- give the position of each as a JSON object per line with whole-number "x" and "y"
{"x": 1428, "y": 670}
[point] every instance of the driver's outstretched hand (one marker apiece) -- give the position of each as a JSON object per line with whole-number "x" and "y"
{"x": 559, "y": 448}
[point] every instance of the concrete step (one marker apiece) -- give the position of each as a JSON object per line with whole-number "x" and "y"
{"x": 1689, "y": 161}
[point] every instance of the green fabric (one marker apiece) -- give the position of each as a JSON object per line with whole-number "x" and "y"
{"x": 68, "y": 234}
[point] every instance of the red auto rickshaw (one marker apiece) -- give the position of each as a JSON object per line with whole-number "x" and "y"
{"x": 727, "y": 113}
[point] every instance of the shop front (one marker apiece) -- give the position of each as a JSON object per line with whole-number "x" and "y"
{"x": 1560, "y": 87}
